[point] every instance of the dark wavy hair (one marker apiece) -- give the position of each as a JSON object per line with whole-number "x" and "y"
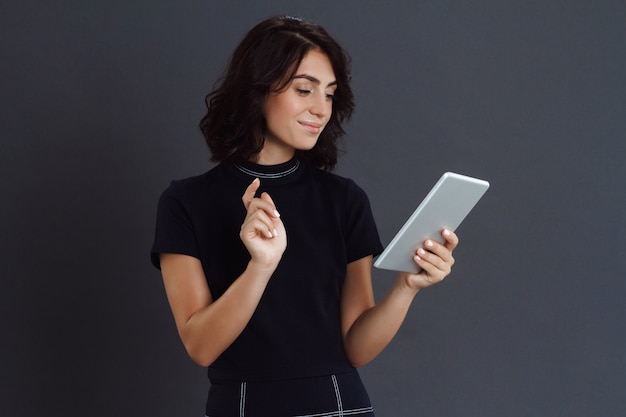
{"x": 265, "y": 61}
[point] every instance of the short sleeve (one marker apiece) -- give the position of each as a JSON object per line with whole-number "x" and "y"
{"x": 362, "y": 237}
{"x": 174, "y": 232}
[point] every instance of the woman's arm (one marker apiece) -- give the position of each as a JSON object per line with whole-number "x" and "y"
{"x": 368, "y": 327}
{"x": 206, "y": 326}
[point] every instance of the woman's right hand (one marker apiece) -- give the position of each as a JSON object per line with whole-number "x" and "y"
{"x": 262, "y": 231}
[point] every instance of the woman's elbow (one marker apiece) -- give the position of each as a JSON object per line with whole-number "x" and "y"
{"x": 359, "y": 362}
{"x": 198, "y": 351}
{"x": 357, "y": 358}
{"x": 200, "y": 356}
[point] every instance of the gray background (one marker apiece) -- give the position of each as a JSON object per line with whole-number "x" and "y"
{"x": 99, "y": 109}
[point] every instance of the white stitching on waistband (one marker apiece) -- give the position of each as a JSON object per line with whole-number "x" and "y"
{"x": 344, "y": 413}
{"x": 242, "y": 400}
{"x": 339, "y": 413}
{"x": 338, "y": 395}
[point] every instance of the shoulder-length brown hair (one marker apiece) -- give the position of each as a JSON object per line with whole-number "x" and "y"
{"x": 266, "y": 60}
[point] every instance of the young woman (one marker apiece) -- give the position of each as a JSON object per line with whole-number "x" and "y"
{"x": 267, "y": 257}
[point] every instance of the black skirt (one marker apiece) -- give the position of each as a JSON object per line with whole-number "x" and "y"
{"x": 327, "y": 396}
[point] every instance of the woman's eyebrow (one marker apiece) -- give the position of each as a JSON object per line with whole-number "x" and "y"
{"x": 313, "y": 79}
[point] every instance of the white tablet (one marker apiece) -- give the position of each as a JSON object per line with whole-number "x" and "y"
{"x": 445, "y": 206}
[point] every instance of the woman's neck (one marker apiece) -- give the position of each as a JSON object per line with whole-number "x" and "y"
{"x": 274, "y": 155}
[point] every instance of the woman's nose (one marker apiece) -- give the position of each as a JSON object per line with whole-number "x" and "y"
{"x": 321, "y": 105}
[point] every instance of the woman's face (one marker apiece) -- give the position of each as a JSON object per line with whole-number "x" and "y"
{"x": 296, "y": 115}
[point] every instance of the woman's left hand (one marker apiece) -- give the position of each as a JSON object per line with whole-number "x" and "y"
{"x": 435, "y": 259}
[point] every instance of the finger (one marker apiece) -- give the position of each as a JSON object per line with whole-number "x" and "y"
{"x": 266, "y": 197}
{"x": 261, "y": 228}
{"x": 430, "y": 273}
{"x": 265, "y": 205}
{"x": 248, "y": 195}
{"x": 452, "y": 240}
{"x": 438, "y": 250}
{"x": 264, "y": 211}
{"x": 432, "y": 262}
{"x": 258, "y": 222}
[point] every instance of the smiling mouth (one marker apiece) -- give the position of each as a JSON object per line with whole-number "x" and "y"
{"x": 311, "y": 127}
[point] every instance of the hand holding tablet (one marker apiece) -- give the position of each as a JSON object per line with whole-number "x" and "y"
{"x": 445, "y": 207}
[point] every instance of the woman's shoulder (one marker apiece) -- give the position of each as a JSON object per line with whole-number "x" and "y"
{"x": 196, "y": 185}
{"x": 338, "y": 182}
{"x": 330, "y": 177}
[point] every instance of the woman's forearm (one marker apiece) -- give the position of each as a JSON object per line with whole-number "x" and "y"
{"x": 375, "y": 328}
{"x": 211, "y": 330}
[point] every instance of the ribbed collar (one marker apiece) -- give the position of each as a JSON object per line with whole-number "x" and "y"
{"x": 269, "y": 174}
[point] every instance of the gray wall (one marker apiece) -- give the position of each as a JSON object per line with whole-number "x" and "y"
{"x": 99, "y": 107}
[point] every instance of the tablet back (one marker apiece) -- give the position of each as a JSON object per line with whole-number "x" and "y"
{"x": 445, "y": 206}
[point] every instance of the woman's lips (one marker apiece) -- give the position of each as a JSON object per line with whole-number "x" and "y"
{"x": 312, "y": 127}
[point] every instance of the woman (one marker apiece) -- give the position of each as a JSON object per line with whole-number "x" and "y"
{"x": 267, "y": 257}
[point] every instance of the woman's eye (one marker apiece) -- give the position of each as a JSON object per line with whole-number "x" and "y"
{"x": 330, "y": 97}
{"x": 303, "y": 92}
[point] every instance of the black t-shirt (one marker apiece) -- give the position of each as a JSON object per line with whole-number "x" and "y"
{"x": 295, "y": 330}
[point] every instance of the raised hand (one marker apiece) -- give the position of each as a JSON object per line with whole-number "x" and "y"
{"x": 262, "y": 231}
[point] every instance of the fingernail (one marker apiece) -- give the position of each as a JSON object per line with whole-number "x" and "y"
{"x": 275, "y": 232}
{"x": 269, "y": 234}
{"x": 421, "y": 251}
{"x": 446, "y": 232}
{"x": 276, "y": 213}
{"x": 429, "y": 243}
